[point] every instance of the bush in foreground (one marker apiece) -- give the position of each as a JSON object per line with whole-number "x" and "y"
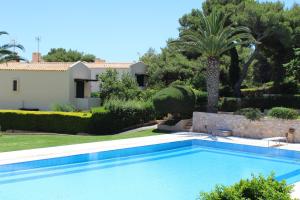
{"x": 255, "y": 188}
{"x": 176, "y": 100}
{"x": 283, "y": 113}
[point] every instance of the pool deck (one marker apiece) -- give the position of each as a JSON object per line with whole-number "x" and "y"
{"x": 60, "y": 151}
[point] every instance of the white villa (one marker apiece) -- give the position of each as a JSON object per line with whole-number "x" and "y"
{"x": 40, "y": 85}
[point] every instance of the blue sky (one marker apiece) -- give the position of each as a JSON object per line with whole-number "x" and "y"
{"x": 114, "y": 30}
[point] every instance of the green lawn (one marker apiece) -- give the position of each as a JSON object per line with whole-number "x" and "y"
{"x": 20, "y": 142}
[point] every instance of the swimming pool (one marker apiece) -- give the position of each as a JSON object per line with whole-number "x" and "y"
{"x": 176, "y": 170}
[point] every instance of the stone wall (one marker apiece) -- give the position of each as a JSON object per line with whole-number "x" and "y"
{"x": 242, "y": 127}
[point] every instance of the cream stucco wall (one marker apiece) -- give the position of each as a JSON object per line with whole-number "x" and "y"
{"x": 37, "y": 89}
{"x": 42, "y": 89}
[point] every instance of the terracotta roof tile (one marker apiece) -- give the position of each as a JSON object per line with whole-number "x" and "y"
{"x": 109, "y": 65}
{"x": 59, "y": 66}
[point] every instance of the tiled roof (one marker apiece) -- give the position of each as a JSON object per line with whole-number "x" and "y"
{"x": 45, "y": 66}
{"x": 59, "y": 66}
{"x": 109, "y": 65}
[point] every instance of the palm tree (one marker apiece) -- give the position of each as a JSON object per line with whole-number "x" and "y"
{"x": 6, "y": 54}
{"x": 212, "y": 39}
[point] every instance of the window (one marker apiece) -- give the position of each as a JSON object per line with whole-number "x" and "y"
{"x": 15, "y": 85}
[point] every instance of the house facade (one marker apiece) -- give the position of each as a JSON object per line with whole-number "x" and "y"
{"x": 41, "y": 85}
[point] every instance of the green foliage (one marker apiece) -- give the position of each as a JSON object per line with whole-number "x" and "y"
{"x": 58, "y": 122}
{"x": 63, "y": 108}
{"x": 250, "y": 113}
{"x": 62, "y": 55}
{"x": 201, "y": 100}
{"x": 117, "y": 115}
{"x": 293, "y": 67}
{"x": 6, "y": 52}
{"x": 229, "y": 104}
{"x": 176, "y": 100}
{"x": 283, "y": 113}
{"x": 118, "y": 86}
{"x": 251, "y": 189}
{"x": 270, "y": 101}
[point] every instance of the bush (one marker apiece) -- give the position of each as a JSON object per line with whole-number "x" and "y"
{"x": 252, "y": 189}
{"x": 270, "y": 101}
{"x": 176, "y": 100}
{"x": 250, "y": 113}
{"x": 201, "y": 100}
{"x": 229, "y": 104}
{"x": 117, "y": 115}
{"x": 283, "y": 113}
{"x": 63, "y": 108}
{"x": 258, "y": 91}
{"x": 58, "y": 122}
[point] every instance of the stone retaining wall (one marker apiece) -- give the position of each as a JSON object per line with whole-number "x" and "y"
{"x": 241, "y": 126}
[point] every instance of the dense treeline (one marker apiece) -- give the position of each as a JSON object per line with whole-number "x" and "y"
{"x": 276, "y": 30}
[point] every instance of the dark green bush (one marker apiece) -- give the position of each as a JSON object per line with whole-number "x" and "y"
{"x": 201, "y": 100}
{"x": 229, "y": 104}
{"x": 58, "y": 122}
{"x": 283, "y": 113}
{"x": 117, "y": 115}
{"x": 250, "y": 113}
{"x": 251, "y": 189}
{"x": 176, "y": 100}
{"x": 270, "y": 101}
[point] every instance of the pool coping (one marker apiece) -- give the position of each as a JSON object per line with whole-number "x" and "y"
{"x": 70, "y": 150}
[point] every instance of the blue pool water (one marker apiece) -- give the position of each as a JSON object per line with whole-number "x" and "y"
{"x": 175, "y": 171}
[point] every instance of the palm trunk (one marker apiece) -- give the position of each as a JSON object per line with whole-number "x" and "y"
{"x": 212, "y": 84}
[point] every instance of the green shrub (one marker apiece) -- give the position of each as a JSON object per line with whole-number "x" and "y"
{"x": 270, "y": 101}
{"x": 258, "y": 91}
{"x": 176, "y": 100}
{"x": 250, "y": 113}
{"x": 251, "y": 189}
{"x": 63, "y": 108}
{"x": 229, "y": 104}
{"x": 117, "y": 115}
{"x": 201, "y": 99}
{"x": 58, "y": 122}
{"x": 283, "y": 113}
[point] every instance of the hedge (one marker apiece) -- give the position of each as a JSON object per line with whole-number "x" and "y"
{"x": 60, "y": 122}
{"x": 176, "y": 100}
{"x": 117, "y": 115}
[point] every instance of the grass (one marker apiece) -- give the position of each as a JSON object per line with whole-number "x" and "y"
{"x": 21, "y": 142}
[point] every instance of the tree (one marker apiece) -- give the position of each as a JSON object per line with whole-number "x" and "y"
{"x": 6, "y": 54}
{"x": 62, "y": 55}
{"x": 213, "y": 38}
{"x": 114, "y": 85}
{"x": 293, "y": 67}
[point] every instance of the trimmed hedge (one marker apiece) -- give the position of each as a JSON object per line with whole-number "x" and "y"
{"x": 283, "y": 113}
{"x": 270, "y": 101}
{"x": 59, "y": 122}
{"x": 175, "y": 100}
{"x": 117, "y": 115}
